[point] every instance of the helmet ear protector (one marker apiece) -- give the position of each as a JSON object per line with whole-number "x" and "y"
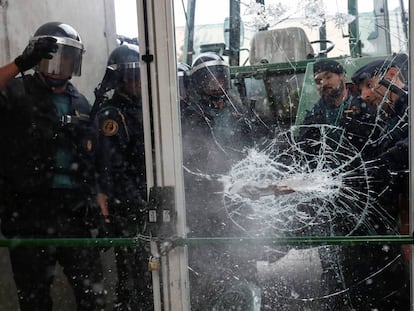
{"x": 66, "y": 61}
{"x": 183, "y": 71}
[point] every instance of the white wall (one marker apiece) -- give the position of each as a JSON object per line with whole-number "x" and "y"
{"x": 93, "y": 19}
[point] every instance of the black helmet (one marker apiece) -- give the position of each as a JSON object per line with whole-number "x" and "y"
{"x": 183, "y": 71}
{"x": 68, "y": 58}
{"x": 210, "y": 74}
{"x": 125, "y": 60}
{"x": 372, "y": 69}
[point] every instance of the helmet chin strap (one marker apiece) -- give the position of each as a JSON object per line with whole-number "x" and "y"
{"x": 54, "y": 83}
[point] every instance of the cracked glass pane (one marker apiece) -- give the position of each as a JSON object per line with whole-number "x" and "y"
{"x": 294, "y": 119}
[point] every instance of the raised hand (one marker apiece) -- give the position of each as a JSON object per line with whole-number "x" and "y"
{"x": 35, "y": 51}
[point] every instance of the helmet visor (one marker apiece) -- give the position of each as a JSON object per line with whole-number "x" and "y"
{"x": 128, "y": 71}
{"x": 67, "y": 60}
{"x": 130, "y": 75}
{"x": 212, "y": 77}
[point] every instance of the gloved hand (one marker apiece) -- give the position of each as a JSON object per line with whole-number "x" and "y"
{"x": 35, "y": 52}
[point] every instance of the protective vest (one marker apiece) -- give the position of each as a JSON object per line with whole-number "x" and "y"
{"x": 32, "y": 130}
{"x": 121, "y": 151}
{"x": 352, "y": 120}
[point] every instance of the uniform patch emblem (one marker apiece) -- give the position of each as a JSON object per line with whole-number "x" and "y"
{"x": 110, "y": 127}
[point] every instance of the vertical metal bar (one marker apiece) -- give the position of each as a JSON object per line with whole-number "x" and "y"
{"x": 159, "y": 77}
{"x": 387, "y": 27}
{"x": 404, "y": 19}
{"x": 354, "y": 42}
{"x": 322, "y": 37}
{"x": 147, "y": 59}
{"x": 188, "y": 48}
{"x": 148, "y": 120}
{"x": 234, "y": 33}
{"x": 411, "y": 135}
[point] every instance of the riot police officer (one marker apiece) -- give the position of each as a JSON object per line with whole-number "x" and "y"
{"x": 215, "y": 128}
{"x": 215, "y": 133}
{"x": 220, "y": 108}
{"x": 46, "y": 170}
{"x": 122, "y": 177}
{"x": 382, "y": 85}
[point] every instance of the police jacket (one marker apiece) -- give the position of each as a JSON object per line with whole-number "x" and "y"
{"x": 389, "y": 161}
{"x": 121, "y": 151}
{"x": 33, "y": 132}
{"x": 336, "y": 138}
{"x": 322, "y": 113}
{"x": 352, "y": 124}
{"x": 393, "y": 140}
{"x": 214, "y": 139}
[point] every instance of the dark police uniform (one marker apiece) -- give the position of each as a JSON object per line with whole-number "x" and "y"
{"x": 47, "y": 178}
{"x": 122, "y": 177}
{"x": 213, "y": 140}
{"x": 371, "y": 277}
{"x": 376, "y": 275}
{"x": 347, "y": 128}
{"x": 353, "y": 116}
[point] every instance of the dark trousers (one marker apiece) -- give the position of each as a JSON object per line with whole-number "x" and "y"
{"x": 59, "y": 214}
{"x": 134, "y": 287}
{"x": 333, "y": 287}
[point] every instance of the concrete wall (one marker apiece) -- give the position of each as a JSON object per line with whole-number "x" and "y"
{"x": 93, "y": 19}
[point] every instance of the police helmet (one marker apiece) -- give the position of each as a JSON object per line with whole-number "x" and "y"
{"x": 125, "y": 60}
{"x": 183, "y": 71}
{"x": 210, "y": 74}
{"x": 67, "y": 60}
{"x": 370, "y": 70}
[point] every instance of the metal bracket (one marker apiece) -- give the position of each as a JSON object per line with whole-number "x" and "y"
{"x": 161, "y": 212}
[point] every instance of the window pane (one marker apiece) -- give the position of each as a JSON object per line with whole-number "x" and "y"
{"x": 285, "y": 136}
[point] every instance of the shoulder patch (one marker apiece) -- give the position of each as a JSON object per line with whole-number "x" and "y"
{"x": 110, "y": 127}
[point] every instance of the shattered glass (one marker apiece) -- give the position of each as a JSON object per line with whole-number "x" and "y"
{"x": 252, "y": 195}
{"x": 280, "y": 214}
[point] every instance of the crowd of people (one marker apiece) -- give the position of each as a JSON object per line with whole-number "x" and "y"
{"x": 69, "y": 169}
